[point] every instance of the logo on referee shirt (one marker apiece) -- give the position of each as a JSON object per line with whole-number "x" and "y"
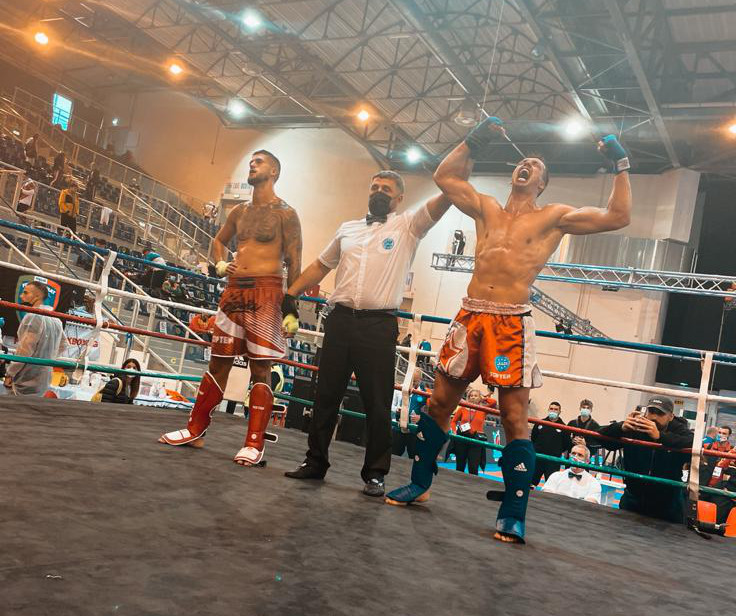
{"x": 502, "y": 363}
{"x": 388, "y": 243}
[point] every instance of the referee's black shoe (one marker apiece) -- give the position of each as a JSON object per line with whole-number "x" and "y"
{"x": 306, "y": 471}
{"x": 374, "y": 487}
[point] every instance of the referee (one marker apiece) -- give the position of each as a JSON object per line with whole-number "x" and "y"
{"x": 372, "y": 257}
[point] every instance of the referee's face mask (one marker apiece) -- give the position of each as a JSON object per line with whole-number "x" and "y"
{"x": 384, "y": 197}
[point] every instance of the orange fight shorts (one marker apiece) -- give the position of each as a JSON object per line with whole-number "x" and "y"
{"x": 248, "y": 319}
{"x": 495, "y": 341}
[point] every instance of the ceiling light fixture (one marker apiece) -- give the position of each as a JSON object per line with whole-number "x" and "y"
{"x": 414, "y": 155}
{"x": 363, "y": 115}
{"x": 176, "y": 69}
{"x": 41, "y": 38}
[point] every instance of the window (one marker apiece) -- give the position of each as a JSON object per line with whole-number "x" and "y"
{"x": 61, "y": 111}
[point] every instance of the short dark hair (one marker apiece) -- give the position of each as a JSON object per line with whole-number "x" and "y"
{"x": 545, "y": 174}
{"x": 557, "y": 404}
{"x": 730, "y": 430}
{"x": 586, "y": 402}
{"x": 42, "y": 288}
{"x": 393, "y": 176}
{"x": 276, "y": 162}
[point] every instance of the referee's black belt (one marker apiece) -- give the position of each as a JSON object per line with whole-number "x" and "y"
{"x": 342, "y": 309}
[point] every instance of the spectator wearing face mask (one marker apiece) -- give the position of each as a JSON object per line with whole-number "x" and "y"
{"x": 710, "y": 470}
{"x": 585, "y": 421}
{"x": 575, "y": 482}
{"x": 550, "y": 441}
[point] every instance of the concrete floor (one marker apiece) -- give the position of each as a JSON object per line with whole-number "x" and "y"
{"x": 96, "y": 518}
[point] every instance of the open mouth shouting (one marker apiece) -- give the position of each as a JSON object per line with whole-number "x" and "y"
{"x": 524, "y": 175}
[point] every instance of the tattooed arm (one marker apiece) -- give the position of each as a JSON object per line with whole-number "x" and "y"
{"x": 292, "y": 243}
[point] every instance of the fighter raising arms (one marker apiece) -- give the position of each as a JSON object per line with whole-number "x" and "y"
{"x": 248, "y": 320}
{"x": 493, "y": 334}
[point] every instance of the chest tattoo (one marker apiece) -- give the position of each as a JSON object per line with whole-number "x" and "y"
{"x": 260, "y": 224}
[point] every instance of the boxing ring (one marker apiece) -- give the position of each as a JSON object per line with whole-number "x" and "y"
{"x": 98, "y": 518}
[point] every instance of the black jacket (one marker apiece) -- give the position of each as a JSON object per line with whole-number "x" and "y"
{"x": 114, "y": 392}
{"x": 590, "y": 442}
{"x": 549, "y": 440}
{"x": 652, "y": 498}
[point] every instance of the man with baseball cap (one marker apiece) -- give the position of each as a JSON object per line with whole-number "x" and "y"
{"x": 655, "y": 422}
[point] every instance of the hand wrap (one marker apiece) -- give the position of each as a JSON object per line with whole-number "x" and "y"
{"x": 483, "y": 134}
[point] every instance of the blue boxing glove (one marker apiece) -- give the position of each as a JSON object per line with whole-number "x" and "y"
{"x": 612, "y": 149}
{"x": 485, "y": 132}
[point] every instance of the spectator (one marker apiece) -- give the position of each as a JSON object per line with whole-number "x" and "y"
{"x": 423, "y": 360}
{"x": 725, "y": 481}
{"x": 92, "y": 184}
{"x": 585, "y": 421}
{"x": 41, "y": 171}
{"x": 167, "y": 286}
{"x": 122, "y": 389}
{"x": 58, "y": 171}
{"x": 38, "y": 336}
{"x": 30, "y": 149}
{"x": 469, "y": 423}
{"x": 157, "y": 276}
{"x": 407, "y": 441}
{"x": 711, "y": 435}
{"x": 69, "y": 206}
{"x": 209, "y": 211}
{"x": 405, "y": 341}
{"x": 550, "y": 441}
{"x": 710, "y": 472}
{"x": 656, "y": 423}
{"x": 27, "y": 193}
{"x": 575, "y": 482}
{"x": 179, "y": 292}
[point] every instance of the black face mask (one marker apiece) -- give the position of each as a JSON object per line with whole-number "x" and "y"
{"x": 379, "y": 204}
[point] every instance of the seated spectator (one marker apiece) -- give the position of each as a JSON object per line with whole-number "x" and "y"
{"x": 469, "y": 423}
{"x": 550, "y": 441}
{"x": 585, "y": 421}
{"x": 575, "y": 482}
{"x": 656, "y": 423}
{"x": 711, "y": 435}
{"x": 122, "y": 389}
{"x": 726, "y": 481}
{"x": 167, "y": 286}
{"x": 710, "y": 472}
{"x": 179, "y": 292}
{"x": 38, "y": 336}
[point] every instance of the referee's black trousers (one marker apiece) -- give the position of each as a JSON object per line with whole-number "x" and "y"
{"x": 364, "y": 344}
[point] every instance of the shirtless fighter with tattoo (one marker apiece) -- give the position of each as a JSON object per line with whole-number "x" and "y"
{"x": 493, "y": 334}
{"x": 249, "y": 320}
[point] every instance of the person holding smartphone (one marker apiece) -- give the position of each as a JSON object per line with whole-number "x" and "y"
{"x": 656, "y": 423}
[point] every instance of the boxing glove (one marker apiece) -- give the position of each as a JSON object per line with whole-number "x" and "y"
{"x": 489, "y": 130}
{"x": 290, "y": 313}
{"x": 221, "y": 268}
{"x": 612, "y": 149}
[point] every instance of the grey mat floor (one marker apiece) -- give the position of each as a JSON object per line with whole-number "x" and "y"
{"x": 96, "y": 518}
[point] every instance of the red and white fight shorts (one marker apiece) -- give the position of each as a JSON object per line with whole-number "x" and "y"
{"x": 495, "y": 341}
{"x": 248, "y": 320}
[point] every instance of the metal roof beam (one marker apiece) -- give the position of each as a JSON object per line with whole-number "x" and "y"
{"x": 622, "y": 27}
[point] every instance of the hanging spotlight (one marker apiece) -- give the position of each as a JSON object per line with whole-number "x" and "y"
{"x": 732, "y": 129}
{"x": 573, "y": 128}
{"x": 115, "y": 121}
{"x": 252, "y": 19}
{"x": 41, "y": 38}
{"x": 363, "y": 115}
{"x": 176, "y": 69}
{"x": 414, "y": 155}
{"x": 236, "y": 108}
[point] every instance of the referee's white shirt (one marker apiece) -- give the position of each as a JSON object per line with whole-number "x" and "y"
{"x": 585, "y": 488}
{"x": 373, "y": 261}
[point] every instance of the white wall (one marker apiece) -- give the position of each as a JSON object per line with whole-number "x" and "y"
{"x": 325, "y": 177}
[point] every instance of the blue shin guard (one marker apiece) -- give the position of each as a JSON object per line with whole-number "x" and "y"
{"x": 517, "y": 465}
{"x": 430, "y": 438}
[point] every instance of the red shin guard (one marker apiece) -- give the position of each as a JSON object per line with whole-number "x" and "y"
{"x": 260, "y": 408}
{"x": 209, "y": 397}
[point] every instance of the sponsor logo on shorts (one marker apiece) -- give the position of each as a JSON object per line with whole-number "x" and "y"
{"x": 502, "y": 363}
{"x": 223, "y": 339}
{"x": 388, "y": 243}
{"x": 520, "y": 467}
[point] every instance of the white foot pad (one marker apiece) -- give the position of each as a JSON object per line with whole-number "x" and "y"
{"x": 179, "y": 437}
{"x": 249, "y": 455}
